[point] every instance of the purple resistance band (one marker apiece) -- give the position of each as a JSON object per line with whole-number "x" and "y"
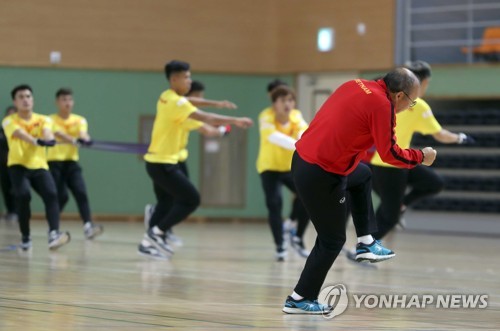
{"x": 113, "y": 146}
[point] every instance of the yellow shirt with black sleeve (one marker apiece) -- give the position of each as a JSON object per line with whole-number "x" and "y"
{"x": 188, "y": 126}
{"x": 273, "y": 157}
{"x": 21, "y": 152}
{"x": 417, "y": 119}
{"x": 172, "y": 110}
{"x": 72, "y": 126}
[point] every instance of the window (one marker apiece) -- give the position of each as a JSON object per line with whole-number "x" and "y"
{"x": 444, "y": 31}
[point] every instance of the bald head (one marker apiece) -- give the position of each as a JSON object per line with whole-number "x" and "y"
{"x": 401, "y": 80}
{"x": 404, "y": 88}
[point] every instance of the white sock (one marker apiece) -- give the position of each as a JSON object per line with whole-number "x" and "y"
{"x": 367, "y": 240}
{"x": 297, "y": 297}
{"x": 156, "y": 230}
{"x": 87, "y": 225}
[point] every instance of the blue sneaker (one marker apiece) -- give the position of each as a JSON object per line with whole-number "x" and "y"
{"x": 305, "y": 306}
{"x": 374, "y": 252}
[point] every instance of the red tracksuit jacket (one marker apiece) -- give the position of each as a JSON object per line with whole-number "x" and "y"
{"x": 358, "y": 115}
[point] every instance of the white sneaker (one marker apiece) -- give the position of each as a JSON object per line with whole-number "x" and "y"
{"x": 174, "y": 239}
{"x": 58, "y": 238}
{"x": 281, "y": 254}
{"x": 91, "y": 230}
{"x": 159, "y": 242}
{"x": 150, "y": 251}
{"x": 25, "y": 244}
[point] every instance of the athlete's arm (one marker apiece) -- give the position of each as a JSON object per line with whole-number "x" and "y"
{"x": 428, "y": 156}
{"x": 64, "y": 137}
{"x": 282, "y": 140}
{"x": 24, "y": 136}
{"x": 47, "y": 134}
{"x": 84, "y": 136}
{"x": 216, "y": 120}
{"x": 47, "y": 140}
{"x": 385, "y": 141}
{"x": 446, "y": 137}
{"x": 202, "y": 102}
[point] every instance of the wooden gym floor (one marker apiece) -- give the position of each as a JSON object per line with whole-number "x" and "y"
{"x": 224, "y": 277}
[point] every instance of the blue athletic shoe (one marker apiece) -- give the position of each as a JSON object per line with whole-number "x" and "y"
{"x": 305, "y": 306}
{"x": 373, "y": 252}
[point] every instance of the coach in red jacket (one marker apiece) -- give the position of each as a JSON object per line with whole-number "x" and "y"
{"x": 358, "y": 115}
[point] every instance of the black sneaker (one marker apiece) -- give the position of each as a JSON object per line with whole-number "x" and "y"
{"x": 151, "y": 251}
{"x": 159, "y": 241}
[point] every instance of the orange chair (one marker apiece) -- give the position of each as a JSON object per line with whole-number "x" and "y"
{"x": 490, "y": 44}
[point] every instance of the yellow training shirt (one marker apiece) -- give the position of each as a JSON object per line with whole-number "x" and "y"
{"x": 273, "y": 157}
{"x": 21, "y": 152}
{"x": 72, "y": 126}
{"x": 188, "y": 126}
{"x": 171, "y": 111}
{"x": 417, "y": 119}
